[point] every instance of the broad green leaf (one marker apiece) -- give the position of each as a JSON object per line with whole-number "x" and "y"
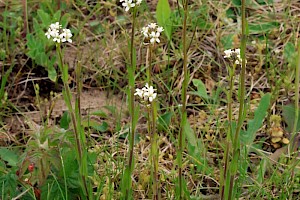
{"x": 163, "y": 13}
{"x": 99, "y": 113}
{"x": 65, "y": 120}
{"x": 192, "y": 141}
{"x": 45, "y": 17}
{"x": 64, "y": 19}
{"x": 9, "y": 156}
{"x": 227, "y": 41}
{"x": 52, "y": 73}
{"x": 195, "y": 149}
{"x": 289, "y": 52}
{"x": 262, "y": 27}
{"x": 288, "y": 113}
{"x": 56, "y": 16}
{"x": 247, "y": 137}
{"x": 102, "y": 127}
{"x": 201, "y": 89}
{"x": 164, "y": 121}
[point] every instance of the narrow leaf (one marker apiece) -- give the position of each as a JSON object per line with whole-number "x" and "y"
{"x": 254, "y": 124}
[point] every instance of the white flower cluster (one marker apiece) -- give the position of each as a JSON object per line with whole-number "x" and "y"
{"x": 57, "y": 34}
{"x": 152, "y": 32}
{"x": 234, "y": 54}
{"x": 147, "y": 93}
{"x": 127, "y": 4}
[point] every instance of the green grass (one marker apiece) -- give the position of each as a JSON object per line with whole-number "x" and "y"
{"x": 82, "y": 149}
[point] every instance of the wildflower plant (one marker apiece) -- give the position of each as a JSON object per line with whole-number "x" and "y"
{"x": 59, "y": 35}
{"x": 151, "y": 34}
{"x": 130, "y": 5}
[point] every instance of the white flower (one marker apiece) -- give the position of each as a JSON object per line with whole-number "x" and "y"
{"x": 57, "y": 39}
{"x": 160, "y": 29}
{"x": 127, "y": 4}
{"x": 154, "y": 37}
{"x": 237, "y": 51}
{"x": 150, "y": 93}
{"x": 145, "y": 31}
{"x": 227, "y": 53}
{"x": 152, "y": 31}
{"x": 146, "y": 93}
{"x": 235, "y": 55}
{"x": 66, "y": 35}
{"x": 138, "y": 2}
{"x": 139, "y": 92}
{"x": 58, "y": 35}
{"x": 56, "y": 26}
{"x": 152, "y": 25}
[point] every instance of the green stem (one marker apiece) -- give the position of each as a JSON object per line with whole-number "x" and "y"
{"x": 25, "y": 15}
{"x": 81, "y": 157}
{"x": 149, "y": 64}
{"x": 224, "y": 186}
{"x": 131, "y": 104}
{"x": 236, "y": 144}
{"x": 184, "y": 99}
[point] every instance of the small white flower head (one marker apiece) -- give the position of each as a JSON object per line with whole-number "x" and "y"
{"x": 55, "y": 25}
{"x": 154, "y": 37}
{"x": 235, "y": 55}
{"x": 160, "y": 29}
{"x": 127, "y": 4}
{"x": 152, "y": 33}
{"x": 57, "y": 35}
{"x": 66, "y": 35}
{"x": 152, "y": 25}
{"x": 145, "y": 31}
{"x": 228, "y": 53}
{"x": 147, "y": 93}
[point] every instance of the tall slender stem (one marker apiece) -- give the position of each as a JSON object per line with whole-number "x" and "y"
{"x": 184, "y": 100}
{"x": 80, "y": 141}
{"x": 236, "y": 144}
{"x": 229, "y": 133}
{"x": 131, "y": 72}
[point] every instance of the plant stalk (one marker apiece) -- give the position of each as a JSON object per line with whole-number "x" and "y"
{"x": 184, "y": 100}
{"x": 78, "y": 134}
{"x": 229, "y": 135}
{"x": 131, "y": 77}
{"x": 236, "y": 143}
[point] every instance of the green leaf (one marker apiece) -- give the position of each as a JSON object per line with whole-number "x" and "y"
{"x": 195, "y": 149}
{"x": 201, "y": 89}
{"x": 227, "y": 41}
{"x": 164, "y": 121}
{"x": 64, "y": 19}
{"x": 56, "y": 16}
{"x": 163, "y": 13}
{"x": 102, "y": 128}
{"x": 254, "y": 125}
{"x": 263, "y": 27}
{"x": 52, "y": 73}
{"x": 99, "y": 113}
{"x": 289, "y": 113}
{"x": 192, "y": 140}
{"x": 289, "y": 52}
{"x": 65, "y": 120}
{"x": 9, "y": 156}
{"x": 45, "y": 17}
